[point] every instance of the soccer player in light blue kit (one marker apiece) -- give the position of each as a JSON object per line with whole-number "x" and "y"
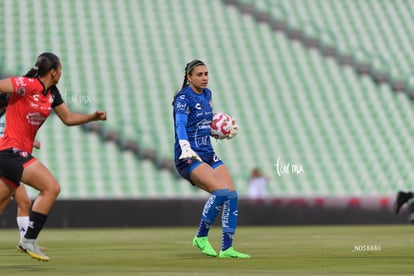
{"x": 197, "y": 162}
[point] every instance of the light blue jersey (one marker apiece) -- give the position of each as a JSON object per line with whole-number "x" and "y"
{"x": 198, "y": 110}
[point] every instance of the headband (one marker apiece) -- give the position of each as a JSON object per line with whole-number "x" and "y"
{"x": 192, "y": 65}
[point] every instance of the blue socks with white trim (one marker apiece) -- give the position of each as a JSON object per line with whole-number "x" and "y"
{"x": 229, "y": 219}
{"x": 229, "y": 202}
{"x": 211, "y": 208}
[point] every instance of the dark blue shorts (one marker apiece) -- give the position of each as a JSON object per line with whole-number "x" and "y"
{"x": 186, "y": 166}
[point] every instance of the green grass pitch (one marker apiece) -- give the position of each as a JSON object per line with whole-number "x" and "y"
{"x": 298, "y": 250}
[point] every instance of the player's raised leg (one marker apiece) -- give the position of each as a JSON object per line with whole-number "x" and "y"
{"x": 23, "y": 209}
{"x": 39, "y": 177}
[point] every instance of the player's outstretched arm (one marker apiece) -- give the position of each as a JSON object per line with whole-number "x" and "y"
{"x": 6, "y": 86}
{"x": 70, "y": 118}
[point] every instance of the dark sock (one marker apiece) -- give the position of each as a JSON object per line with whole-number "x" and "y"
{"x": 36, "y": 222}
{"x": 203, "y": 229}
{"x": 227, "y": 240}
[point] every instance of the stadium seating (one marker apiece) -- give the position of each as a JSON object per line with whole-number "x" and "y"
{"x": 294, "y": 105}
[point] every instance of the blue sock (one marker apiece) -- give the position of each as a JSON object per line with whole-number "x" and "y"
{"x": 229, "y": 219}
{"x": 211, "y": 208}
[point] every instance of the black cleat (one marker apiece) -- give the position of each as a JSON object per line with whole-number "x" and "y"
{"x": 402, "y": 197}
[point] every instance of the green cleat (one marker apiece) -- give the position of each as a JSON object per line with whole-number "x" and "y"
{"x": 231, "y": 253}
{"x": 204, "y": 245}
{"x": 31, "y": 248}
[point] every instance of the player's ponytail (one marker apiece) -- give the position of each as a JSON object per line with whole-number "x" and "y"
{"x": 45, "y": 62}
{"x": 32, "y": 73}
{"x": 184, "y": 82}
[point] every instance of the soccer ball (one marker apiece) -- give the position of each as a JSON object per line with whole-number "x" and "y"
{"x": 221, "y": 125}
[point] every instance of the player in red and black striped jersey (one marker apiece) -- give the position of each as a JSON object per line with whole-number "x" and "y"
{"x": 32, "y": 98}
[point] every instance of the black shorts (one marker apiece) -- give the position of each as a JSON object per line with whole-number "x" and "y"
{"x": 186, "y": 166}
{"x": 12, "y": 163}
